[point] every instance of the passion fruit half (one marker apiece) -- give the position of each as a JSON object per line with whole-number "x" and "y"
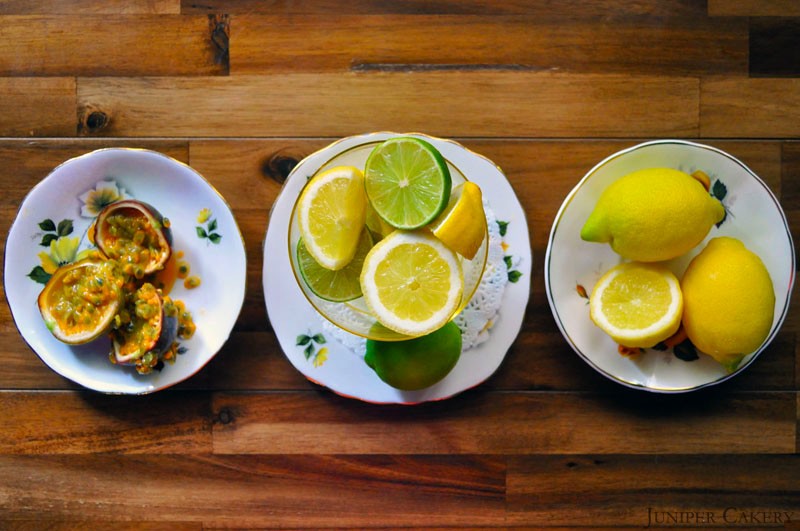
{"x": 79, "y": 302}
{"x": 135, "y": 234}
{"x": 144, "y": 329}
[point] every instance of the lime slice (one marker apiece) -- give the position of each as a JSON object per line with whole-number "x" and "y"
{"x": 337, "y": 286}
{"x": 412, "y": 282}
{"x": 407, "y": 182}
{"x": 331, "y": 213}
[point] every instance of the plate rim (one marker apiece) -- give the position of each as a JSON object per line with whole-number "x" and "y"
{"x": 547, "y": 262}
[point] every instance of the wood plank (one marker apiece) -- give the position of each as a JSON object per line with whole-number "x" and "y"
{"x": 67, "y": 422}
{"x": 499, "y": 423}
{"x": 609, "y": 10}
{"x": 739, "y": 107}
{"x": 687, "y": 491}
{"x": 303, "y": 491}
{"x": 86, "y": 7}
{"x": 82, "y": 523}
{"x": 293, "y": 104}
{"x": 753, "y": 8}
{"x": 108, "y": 45}
{"x": 775, "y": 47}
{"x": 560, "y": 43}
{"x": 37, "y": 107}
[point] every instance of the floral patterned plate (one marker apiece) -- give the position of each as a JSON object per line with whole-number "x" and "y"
{"x": 573, "y": 266}
{"x": 326, "y": 361}
{"x": 50, "y": 230}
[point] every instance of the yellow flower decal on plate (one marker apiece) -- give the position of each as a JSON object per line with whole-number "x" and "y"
{"x": 310, "y": 343}
{"x": 104, "y": 193}
{"x": 203, "y": 216}
{"x": 62, "y": 251}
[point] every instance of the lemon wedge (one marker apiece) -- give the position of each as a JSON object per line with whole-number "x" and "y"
{"x": 331, "y": 213}
{"x": 637, "y": 304}
{"x": 412, "y": 282}
{"x": 462, "y": 225}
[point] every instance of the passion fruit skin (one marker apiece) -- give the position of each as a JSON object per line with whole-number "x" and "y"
{"x": 99, "y": 233}
{"x": 109, "y": 300}
{"x": 165, "y": 323}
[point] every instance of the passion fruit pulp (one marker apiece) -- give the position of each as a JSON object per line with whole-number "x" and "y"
{"x": 144, "y": 330}
{"x": 135, "y": 234}
{"x": 79, "y": 302}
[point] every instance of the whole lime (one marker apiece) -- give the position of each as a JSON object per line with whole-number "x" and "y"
{"x": 416, "y": 363}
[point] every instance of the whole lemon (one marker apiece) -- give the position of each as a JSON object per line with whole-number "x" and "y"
{"x": 653, "y": 214}
{"x": 728, "y": 301}
{"x": 416, "y": 363}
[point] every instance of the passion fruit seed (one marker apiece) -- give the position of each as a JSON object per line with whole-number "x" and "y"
{"x": 134, "y": 233}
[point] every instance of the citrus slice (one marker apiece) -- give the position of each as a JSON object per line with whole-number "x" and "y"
{"x": 407, "y": 182}
{"x": 79, "y": 302}
{"x": 462, "y": 225}
{"x": 412, "y": 282}
{"x": 331, "y": 212}
{"x": 337, "y": 286}
{"x": 638, "y": 305}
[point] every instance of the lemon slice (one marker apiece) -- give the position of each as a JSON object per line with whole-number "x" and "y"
{"x": 412, "y": 282}
{"x": 407, "y": 182}
{"x": 462, "y": 225}
{"x": 331, "y": 212}
{"x": 336, "y": 286}
{"x": 638, "y": 305}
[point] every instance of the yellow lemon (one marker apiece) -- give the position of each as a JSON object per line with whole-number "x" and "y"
{"x": 729, "y": 301}
{"x": 653, "y": 214}
{"x": 412, "y": 282}
{"x": 462, "y": 225}
{"x": 331, "y": 213}
{"x": 638, "y": 305}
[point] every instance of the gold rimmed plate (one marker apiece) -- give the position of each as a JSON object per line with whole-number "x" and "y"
{"x": 51, "y": 226}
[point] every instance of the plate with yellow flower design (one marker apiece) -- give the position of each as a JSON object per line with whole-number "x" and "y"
{"x": 206, "y": 270}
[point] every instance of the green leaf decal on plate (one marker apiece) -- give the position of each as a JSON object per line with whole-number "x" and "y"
{"x": 214, "y": 237}
{"x": 201, "y": 233}
{"x": 46, "y": 239}
{"x": 39, "y": 275}
{"x": 64, "y": 227}
{"x": 47, "y": 225}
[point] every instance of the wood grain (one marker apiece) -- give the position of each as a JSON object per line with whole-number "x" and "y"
{"x": 76, "y": 7}
{"x": 644, "y": 491}
{"x": 740, "y": 107}
{"x": 107, "y": 45}
{"x": 37, "y": 107}
{"x": 523, "y": 104}
{"x": 298, "y": 491}
{"x": 477, "y": 422}
{"x": 635, "y": 45}
{"x": 753, "y": 8}
{"x": 775, "y": 47}
{"x": 83, "y": 422}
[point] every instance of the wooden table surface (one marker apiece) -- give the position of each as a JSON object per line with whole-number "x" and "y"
{"x": 243, "y": 89}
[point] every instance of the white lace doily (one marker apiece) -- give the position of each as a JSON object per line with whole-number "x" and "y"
{"x": 480, "y": 314}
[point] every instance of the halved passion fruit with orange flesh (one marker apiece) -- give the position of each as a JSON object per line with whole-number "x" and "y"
{"x": 135, "y": 234}
{"x": 145, "y": 329}
{"x": 79, "y": 302}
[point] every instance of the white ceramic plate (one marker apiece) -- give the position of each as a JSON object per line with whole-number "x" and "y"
{"x": 326, "y": 361}
{"x": 61, "y": 208}
{"x": 754, "y": 216}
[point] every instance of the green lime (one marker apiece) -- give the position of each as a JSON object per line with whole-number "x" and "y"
{"x": 340, "y": 285}
{"x": 416, "y": 363}
{"x": 407, "y": 181}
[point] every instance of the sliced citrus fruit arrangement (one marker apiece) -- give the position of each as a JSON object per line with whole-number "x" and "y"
{"x": 462, "y": 225}
{"x": 79, "y": 302}
{"x": 135, "y": 234}
{"x": 340, "y": 285}
{"x": 637, "y": 304}
{"x": 412, "y": 282}
{"x": 331, "y": 213}
{"x": 407, "y": 182}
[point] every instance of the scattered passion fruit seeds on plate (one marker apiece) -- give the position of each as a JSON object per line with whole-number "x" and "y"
{"x": 109, "y": 276}
{"x": 718, "y": 255}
